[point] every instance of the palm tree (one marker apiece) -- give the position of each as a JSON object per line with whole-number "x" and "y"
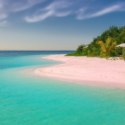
{"x": 108, "y": 46}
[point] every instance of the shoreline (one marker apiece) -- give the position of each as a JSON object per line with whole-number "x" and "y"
{"x": 85, "y": 70}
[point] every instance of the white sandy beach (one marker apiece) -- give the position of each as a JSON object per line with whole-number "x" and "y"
{"x": 86, "y": 70}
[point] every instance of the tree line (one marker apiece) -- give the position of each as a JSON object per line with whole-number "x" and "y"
{"x": 104, "y": 45}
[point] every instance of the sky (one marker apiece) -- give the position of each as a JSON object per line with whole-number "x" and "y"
{"x": 56, "y": 24}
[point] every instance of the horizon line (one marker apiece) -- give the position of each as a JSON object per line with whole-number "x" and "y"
{"x": 37, "y": 50}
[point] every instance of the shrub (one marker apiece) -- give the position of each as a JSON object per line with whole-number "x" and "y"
{"x": 71, "y": 54}
{"x": 79, "y": 49}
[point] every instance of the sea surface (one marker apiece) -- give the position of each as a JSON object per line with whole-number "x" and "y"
{"x": 26, "y": 99}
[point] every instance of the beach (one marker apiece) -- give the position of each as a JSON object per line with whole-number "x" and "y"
{"x": 86, "y": 70}
{"x": 27, "y": 99}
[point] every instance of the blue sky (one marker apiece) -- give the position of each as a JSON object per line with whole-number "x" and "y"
{"x": 56, "y": 24}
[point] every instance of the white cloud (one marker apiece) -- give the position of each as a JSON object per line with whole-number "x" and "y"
{"x": 107, "y": 10}
{"x": 43, "y": 16}
{"x": 83, "y": 15}
{"x": 25, "y": 4}
{"x": 9, "y": 6}
{"x": 56, "y": 8}
{"x": 58, "y": 5}
{"x": 82, "y": 9}
{"x": 37, "y": 18}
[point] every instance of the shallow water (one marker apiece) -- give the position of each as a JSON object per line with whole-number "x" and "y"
{"x": 29, "y": 100}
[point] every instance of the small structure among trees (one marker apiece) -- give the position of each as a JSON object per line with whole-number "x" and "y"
{"x": 121, "y": 45}
{"x": 123, "y": 50}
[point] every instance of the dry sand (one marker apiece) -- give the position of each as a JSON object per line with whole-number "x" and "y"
{"x": 86, "y": 70}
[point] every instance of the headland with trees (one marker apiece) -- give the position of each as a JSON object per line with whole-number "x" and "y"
{"x": 104, "y": 46}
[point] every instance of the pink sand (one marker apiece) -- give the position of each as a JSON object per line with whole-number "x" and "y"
{"x": 86, "y": 70}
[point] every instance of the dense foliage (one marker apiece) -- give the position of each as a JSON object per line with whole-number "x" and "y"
{"x": 104, "y": 45}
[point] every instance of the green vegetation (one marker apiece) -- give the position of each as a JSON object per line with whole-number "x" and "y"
{"x": 123, "y": 54}
{"x": 104, "y": 46}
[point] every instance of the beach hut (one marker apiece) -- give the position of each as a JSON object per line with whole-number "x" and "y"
{"x": 121, "y": 45}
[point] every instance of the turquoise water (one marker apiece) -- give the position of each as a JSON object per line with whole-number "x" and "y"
{"x": 29, "y": 100}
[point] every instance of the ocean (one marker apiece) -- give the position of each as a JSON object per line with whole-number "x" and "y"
{"x": 26, "y": 99}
